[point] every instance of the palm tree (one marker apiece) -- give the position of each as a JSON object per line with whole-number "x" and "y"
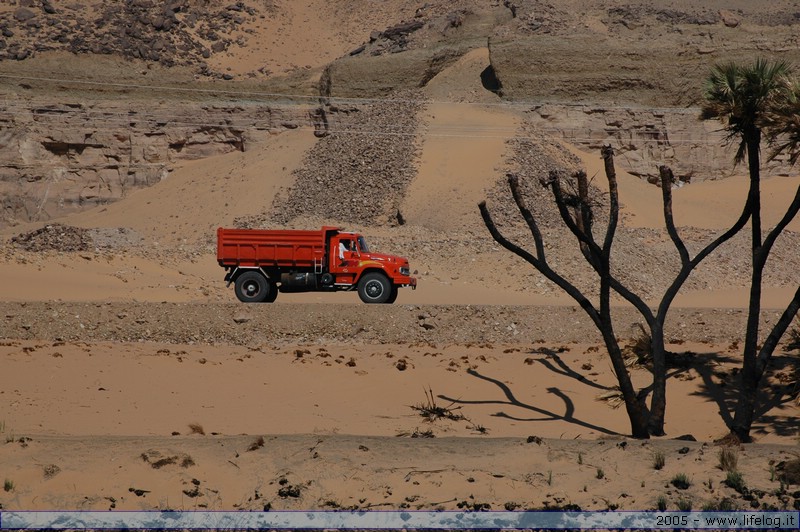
{"x": 745, "y": 98}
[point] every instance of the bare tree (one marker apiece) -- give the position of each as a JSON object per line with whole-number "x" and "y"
{"x": 644, "y": 422}
{"x": 579, "y": 220}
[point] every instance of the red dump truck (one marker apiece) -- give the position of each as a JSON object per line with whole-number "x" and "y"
{"x": 260, "y": 263}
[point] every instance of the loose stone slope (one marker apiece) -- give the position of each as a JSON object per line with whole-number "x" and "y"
{"x": 174, "y": 33}
{"x": 358, "y": 172}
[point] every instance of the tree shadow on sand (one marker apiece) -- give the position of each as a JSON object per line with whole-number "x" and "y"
{"x": 719, "y": 373}
{"x": 721, "y": 379}
{"x": 555, "y": 364}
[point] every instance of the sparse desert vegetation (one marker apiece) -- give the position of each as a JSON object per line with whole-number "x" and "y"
{"x": 659, "y": 460}
{"x": 681, "y": 481}
{"x": 728, "y": 458}
{"x": 196, "y": 428}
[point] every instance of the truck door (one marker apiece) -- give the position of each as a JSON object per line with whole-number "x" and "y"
{"x": 344, "y": 259}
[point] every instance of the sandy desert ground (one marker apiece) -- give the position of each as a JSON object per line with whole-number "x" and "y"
{"x": 339, "y": 422}
{"x": 131, "y": 379}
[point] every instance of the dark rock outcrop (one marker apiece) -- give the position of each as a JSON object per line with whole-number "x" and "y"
{"x": 175, "y": 33}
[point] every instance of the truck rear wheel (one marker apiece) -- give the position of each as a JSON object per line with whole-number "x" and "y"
{"x": 374, "y": 288}
{"x": 252, "y": 287}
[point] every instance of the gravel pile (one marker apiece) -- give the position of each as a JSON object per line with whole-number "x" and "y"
{"x": 66, "y": 238}
{"x": 55, "y": 237}
{"x": 115, "y": 238}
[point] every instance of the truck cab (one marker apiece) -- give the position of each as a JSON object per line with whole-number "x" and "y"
{"x": 352, "y": 264}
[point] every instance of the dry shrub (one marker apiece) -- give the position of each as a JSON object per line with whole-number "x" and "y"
{"x": 613, "y": 397}
{"x": 728, "y": 459}
{"x": 790, "y": 472}
{"x": 681, "y": 481}
{"x": 640, "y": 350}
{"x": 659, "y": 460}
{"x": 157, "y": 460}
{"x": 735, "y": 480}
{"x": 51, "y": 470}
{"x": 431, "y": 411}
{"x": 257, "y": 444}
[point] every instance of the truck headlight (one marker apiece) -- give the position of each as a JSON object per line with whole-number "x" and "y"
{"x": 404, "y": 270}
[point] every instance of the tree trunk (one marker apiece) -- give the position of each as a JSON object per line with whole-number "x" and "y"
{"x": 658, "y": 403}
{"x": 745, "y": 407}
{"x": 636, "y": 412}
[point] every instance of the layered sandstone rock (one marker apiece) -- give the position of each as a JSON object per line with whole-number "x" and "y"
{"x": 58, "y": 158}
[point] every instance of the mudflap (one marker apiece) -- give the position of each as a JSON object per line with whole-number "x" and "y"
{"x": 229, "y": 277}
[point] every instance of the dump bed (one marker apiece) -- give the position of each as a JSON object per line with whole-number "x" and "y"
{"x": 271, "y": 248}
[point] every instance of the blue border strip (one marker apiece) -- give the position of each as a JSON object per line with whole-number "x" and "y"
{"x": 396, "y": 520}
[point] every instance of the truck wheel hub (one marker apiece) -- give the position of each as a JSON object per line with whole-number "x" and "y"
{"x": 251, "y": 289}
{"x": 374, "y": 289}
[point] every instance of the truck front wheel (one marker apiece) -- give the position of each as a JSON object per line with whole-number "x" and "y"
{"x": 374, "y": 288}
{"x": 252, "y": 287}
{"x": 393, "y": 294}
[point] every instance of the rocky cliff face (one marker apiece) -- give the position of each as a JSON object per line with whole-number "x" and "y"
{"x": 645, "y": 138}
{"x": 409, "y": 54}
{"x": 600, "y": 72}
{"x": 596, "y": 52}
{"x": 57, "y": 158}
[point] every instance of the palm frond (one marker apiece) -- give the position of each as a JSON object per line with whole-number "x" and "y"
{"x": 749, "y": 98}
{"x": 741, "y": 153}
{"x": 782, "y": 125}
{"x": 720, "y": 92}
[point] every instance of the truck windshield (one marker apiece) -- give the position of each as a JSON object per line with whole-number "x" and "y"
{"x": 362, "y": 245}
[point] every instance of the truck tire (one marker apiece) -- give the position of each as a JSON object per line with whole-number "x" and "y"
{"x": 374, "y": 288}
{"x": 393, "y": 294}
{"x": 272, "y": 295}
{"x": 252, "y": 287}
